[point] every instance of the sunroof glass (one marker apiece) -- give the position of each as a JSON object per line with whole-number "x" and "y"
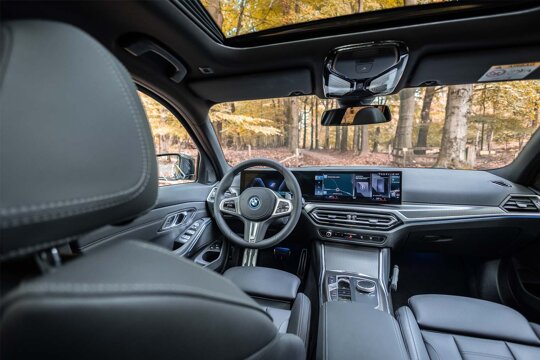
{"x": 239, "y": 17}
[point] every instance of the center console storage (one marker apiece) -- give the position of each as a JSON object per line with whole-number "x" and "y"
{"x": 349, "y": 330}
{"x": 356, "y": 314}
{"x": 355, "y": 273}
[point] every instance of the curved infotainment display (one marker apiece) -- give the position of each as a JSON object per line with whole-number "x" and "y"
{"x": 370, "y": 187}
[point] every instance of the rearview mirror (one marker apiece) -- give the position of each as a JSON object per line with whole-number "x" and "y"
{"x": 175, "y": 167}
{"x": 357, "y": 115}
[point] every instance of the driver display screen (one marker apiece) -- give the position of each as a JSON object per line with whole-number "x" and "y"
{"x": 370, "y": 187}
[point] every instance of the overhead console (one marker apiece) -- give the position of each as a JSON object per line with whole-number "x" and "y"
{"x": 364, "y": 70}
{"x": 361, "y": 187}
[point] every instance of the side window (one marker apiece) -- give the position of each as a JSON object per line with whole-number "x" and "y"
{"x": 176, "y": 152}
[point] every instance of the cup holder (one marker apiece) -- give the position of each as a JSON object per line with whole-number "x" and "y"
{"x": 210, "y": 256}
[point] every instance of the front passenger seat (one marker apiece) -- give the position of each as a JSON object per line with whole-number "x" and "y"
{"x": 66, "y": 101}
{"x": 438, "y": 327}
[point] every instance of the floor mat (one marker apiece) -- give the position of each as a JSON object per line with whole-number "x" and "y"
{"x": 428, "y": 273}
{"x": 271, "y": 258}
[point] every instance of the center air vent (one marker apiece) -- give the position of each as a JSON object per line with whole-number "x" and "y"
{"x": 355, "y": 219}
{"x": 522, "y": 203}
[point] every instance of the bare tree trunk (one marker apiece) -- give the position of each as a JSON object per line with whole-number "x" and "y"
{"x": 316, "y": 123}
{"x": 454, "y": 137}
{"x": 304, "y": 121}
{"x": 240, "y": 16}
{"x": 364, "y": 149}
{"x": 536, "y": 119}
{"x": 338, "y": 138}
{"x": 425, "y": 121}
{"x": 403, "y": 137}
{"x": 356, "y": 140}
{"x": 292, "y": 105}
{"x": 326, "y": 138}
{"x": 214, "y": 8}
{"x": 312, "y": 117}
{"x": 376, "y": 139}
{"x": 344, "y": 138}
{"x": 326, "y": 130}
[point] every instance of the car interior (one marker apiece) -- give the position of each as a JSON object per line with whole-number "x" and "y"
{"x": 115, "y": 245}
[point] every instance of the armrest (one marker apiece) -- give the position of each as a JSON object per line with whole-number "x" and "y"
{"x": 349, "y": 330}
{"x": 264, "y": 282}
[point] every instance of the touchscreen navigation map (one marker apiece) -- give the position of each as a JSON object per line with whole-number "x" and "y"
{"x": 371, "y": 187}
{"x": 334, "y": 186}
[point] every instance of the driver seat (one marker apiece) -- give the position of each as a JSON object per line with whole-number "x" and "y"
{"x": 66, "y": 98}
{"x": 277, "y": 292}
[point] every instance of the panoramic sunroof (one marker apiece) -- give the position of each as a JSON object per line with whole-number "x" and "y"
{"x": 240, "y": 17}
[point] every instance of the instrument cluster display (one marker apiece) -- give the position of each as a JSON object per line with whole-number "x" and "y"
{"x": 368, "y": 187}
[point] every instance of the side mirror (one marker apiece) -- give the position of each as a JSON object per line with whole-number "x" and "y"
{"x": 357, "y": 115}
{"x": 175, "y": 167}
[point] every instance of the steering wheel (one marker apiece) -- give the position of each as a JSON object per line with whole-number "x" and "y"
{"x": 258, "y": 207}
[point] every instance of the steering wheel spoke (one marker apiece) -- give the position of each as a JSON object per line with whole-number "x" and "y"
{"x": 254, "y": 231}
{"x": 230, "y": 205}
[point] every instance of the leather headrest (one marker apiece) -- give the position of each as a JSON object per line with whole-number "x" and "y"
{"x": 76, "y": 150}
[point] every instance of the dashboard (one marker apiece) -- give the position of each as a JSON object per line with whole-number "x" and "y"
{"x": 360, "y": 187}
{"x": 454, "y": 210}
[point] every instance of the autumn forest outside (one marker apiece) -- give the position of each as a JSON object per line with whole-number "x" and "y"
{"x": 471, "y": 126}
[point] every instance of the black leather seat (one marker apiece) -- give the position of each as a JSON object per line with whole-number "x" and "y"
{"x": 277, "y": 292}
{"x": 453, "y": 327}
{"x": 87, "y": 160}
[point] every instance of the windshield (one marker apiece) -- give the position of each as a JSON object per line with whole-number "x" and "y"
{"x": 238, "y": 17}
{"x": 481, "y": 126}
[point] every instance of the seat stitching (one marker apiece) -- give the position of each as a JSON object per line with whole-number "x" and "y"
{"x": 457, "y": 346}
{"x": 99, "y": 289}
{"x": 433, "y": 347}
{"x": 510, "y": 350}
{"x": 7, "y": 40}
{"x": 325, "y": 342}
{"x": 407, "y": 315}
{"x": 399, "y": 317}
{"x": 299, "y": 325}
{"x": 139, "y": 185}
{"x": 396, "y": 333}
{"x": 488, "y": 355}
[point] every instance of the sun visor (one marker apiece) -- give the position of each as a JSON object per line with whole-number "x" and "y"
{"x": 255, "y": 86}
{"x": 472, "y": 66}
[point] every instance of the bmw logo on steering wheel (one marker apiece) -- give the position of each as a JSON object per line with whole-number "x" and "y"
{"x": 254, "y": 202}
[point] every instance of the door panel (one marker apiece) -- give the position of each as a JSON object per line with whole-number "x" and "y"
{"x": 189, "y": 200}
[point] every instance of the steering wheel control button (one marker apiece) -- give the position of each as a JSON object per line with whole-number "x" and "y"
{"x": 229, "y": 205}
{"x": 365, "y": 286}
{"x": 283, "y": 207}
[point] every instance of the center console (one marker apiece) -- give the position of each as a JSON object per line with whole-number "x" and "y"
{"x": 348, "y": 330}
{"x": 355, "y": 274}
{"x": 356, "y": 318}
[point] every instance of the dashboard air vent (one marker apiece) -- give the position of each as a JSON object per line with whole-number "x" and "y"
{"x": 355, "y": 219}
{"x": 516, "y": 203}
{"x": 501, "y": 183}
